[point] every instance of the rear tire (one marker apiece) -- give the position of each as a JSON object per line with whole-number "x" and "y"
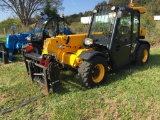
{"x": 142, "y": 55}
{"x": 93, "y": 72}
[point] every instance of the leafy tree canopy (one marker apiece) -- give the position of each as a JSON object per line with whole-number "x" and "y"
{"x": 49, "y": 10}
{"x": 24, "y": 9}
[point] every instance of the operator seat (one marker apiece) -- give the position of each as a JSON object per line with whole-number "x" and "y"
{"x": 124, "y": 30}
{"x": 123, "y": 33}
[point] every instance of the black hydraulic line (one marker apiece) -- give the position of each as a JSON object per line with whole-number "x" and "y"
{"x": 10, "y": 109}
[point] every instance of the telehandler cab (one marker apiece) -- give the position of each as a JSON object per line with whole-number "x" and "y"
{"x": 114, "y": 40}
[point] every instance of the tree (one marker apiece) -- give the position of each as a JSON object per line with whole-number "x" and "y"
{"x": 49, "y": 10}
{"x": 24, "y": 9}
{"x": 8, "y": 23}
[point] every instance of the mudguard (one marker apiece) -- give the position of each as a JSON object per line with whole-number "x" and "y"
{"x": 91, "y": 53}
{"x": 144, "y": 42}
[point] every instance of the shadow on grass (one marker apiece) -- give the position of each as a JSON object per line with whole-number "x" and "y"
{"x": 17, "y": 58}
{"x": 70, "y": 83}
{"x": 130, "y": 69}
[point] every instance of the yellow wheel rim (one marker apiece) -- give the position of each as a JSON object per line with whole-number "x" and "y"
{"x": 145, "y": 55}
{"x": 98, "y": 73}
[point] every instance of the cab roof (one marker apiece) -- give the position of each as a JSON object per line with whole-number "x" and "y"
{"x": 140, "y": 9}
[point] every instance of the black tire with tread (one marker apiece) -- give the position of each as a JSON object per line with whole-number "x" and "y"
{"x": 140, "y": 54}
{"x": 85, "y": 71}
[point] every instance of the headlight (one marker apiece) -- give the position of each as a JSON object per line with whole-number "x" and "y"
{"x": 95, "y": 11}
{"x": 112, "y": 15}
{"x": 88, "y": 41}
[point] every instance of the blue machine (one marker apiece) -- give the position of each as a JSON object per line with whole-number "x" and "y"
{"x": 15, "y": 42}
{"x": 67, "y": 31}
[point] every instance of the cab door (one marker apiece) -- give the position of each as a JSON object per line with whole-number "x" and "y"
{"x": 121, "y": 45}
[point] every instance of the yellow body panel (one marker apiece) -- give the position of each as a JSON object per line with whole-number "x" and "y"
{"x": 140, "y": 9}
{"x": 66, "y": 53}
{"x": 143, "y": 32}
{"x": 56, "y": 45}
{"x": 72, "y": 59}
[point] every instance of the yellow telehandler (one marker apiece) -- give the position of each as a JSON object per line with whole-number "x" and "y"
{"x": 114, "y": 39}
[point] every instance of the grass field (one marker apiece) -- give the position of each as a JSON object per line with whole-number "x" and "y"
{"x": 132, "y": 92}
{"x": 2, "y": 38}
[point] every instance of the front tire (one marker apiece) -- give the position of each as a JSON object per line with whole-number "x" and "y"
{"x": 142, "y": 55}
{"x": 93, "y": 72}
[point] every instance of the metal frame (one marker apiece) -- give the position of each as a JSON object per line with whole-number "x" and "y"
{"x": 41, "y": 73}
{"x": 44, "y": 74}
{"x": 4, "y": 54}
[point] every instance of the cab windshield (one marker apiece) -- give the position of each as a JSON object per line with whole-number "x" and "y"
{"x": 39, "y": 25}
{"x": 102, "y": 27}
{"x": 45, "y": 27}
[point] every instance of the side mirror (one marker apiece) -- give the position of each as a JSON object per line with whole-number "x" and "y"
{"x": 95, "y": 11}
{"x": 113, "y": 8}
{"x": 13, "y": 28}
{"x": 119, "y": 14}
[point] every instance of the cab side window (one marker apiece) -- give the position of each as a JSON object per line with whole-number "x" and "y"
{"x": 135, "y": 26}
{"x": 51, "y": 27}
{"x": 124, "y": 28}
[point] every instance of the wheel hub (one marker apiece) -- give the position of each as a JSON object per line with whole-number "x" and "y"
{"x": 145, "y": 56}
{"x": 98, "y": 73}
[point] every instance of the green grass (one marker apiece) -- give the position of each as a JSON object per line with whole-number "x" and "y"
{"x": 129, "y": 93}
{"x": 2, "y": 38}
